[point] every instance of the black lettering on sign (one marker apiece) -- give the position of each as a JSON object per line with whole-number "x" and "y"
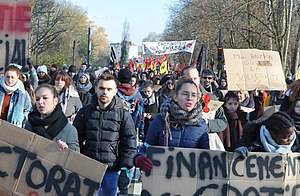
{"x": 36, "y": 165}
{"x": 56, "y": 176}
{"x": 6, "y": 150}
{"x": 152, "y": 151}
{"x": 234, "y": 166}
{"x": 296, "y": 190}
{"x": 263, "y": 165}
{"x": 202, "y": 189}
{"x": 230, "y": 190}
{"x": 272, "y": 191}
{"x": 22, "y": 156}
{"x": 72, "y": 185}
{"x": 170, "y": 167}
{"x": 251, "y": 191}
{"x": 145, "y": 193}
{"x": 204, "y": 164}
{"x": 292, "y": 162}
{"x": 220, "y": 164}
{"x": 274, "y": 166}
{"x": 189, "y": 165}
{"x": 92, "y": 185}
{"x": 250, "y": 165}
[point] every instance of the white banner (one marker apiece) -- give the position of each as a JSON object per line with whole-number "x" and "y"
{"x": 169, "y": 47}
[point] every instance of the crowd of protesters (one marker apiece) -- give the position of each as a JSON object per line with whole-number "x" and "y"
{"x": 115, "y": 115}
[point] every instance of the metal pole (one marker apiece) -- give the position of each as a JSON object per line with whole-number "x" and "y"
{"x": 74, "y": 46}
{"x": 89, "y": 46}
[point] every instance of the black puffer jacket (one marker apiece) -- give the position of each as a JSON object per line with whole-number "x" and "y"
{"x": 107, "y": 135}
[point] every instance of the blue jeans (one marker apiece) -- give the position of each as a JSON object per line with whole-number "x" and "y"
{"x": 109, "y": 185}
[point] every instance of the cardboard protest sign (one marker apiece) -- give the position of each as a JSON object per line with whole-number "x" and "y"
{"x": 183, "y": 171}
{"x": 248, "y": 69}
{"x": 15, "y": 16}
{"x": 213, "y": 107}
{"x": 169, "y": 47}
{"x": 33, "y": 165}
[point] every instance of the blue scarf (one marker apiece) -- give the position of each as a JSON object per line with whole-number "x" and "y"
{"x": 270, "y": 144}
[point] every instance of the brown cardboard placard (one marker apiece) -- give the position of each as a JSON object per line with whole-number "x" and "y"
{"x": 185, "y": 171}
{"x": 14, "y": 31}
{"x": 30, "y": 164}
{"x": 248, "y": 69}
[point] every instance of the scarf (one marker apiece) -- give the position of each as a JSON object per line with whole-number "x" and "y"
{"x": 11, "y": 89}
{"x": 149, "y": 100}
{"x": 50, "y": 126}
{"x": 178, "y": 116}
{"x": 270, "y": 145}
{"x": 18, "y": 100}
{"x": 86, "y": 87}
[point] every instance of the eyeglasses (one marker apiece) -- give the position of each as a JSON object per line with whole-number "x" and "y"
{"x": 210, "y": 78}
{"x": 171, "y": 83}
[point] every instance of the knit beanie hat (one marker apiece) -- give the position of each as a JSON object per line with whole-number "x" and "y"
{"x": 124, "y": 76}
{"x": 42, "y": 68}
{"x": 278, "y": 122}
{"x": 86, "y": 75}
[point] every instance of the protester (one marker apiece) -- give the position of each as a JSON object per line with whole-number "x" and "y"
{"x": 246, "y": 99}
{"x": 150, "y": 105}
{"x": 85, "y": 89}
{"x": 107, "y": 134}
{"x": 132, "y": 99}
{"x": 291, "y": 95}
{"x": 53, "y": 72}
{"x": 219, "y": 123}
{"x": 167, "y": 90}
{"x": 232, "y": 135}
{"x": 294, "y": 112}
{"x": 48, "y": 120}
{"x": 14, "y": 99}
{"x": 68, "y": 95}
{"x": 72, "y": 71}
{"x": 43, "y": 76}
{"x": 223, "y": 84}
{"x": 277, "y": 135}
{"x": 134, "y": 80}
{"x": 209, "y": 83}
{"x": 179, "y": 124}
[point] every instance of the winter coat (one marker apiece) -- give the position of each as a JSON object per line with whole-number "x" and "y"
{"x": 19, "y": 106}
{"x": 68, "y": 135}
{"x": 182, "y": 136}
{"x": 108, "y": 135}
{"x": 70, "y": 102}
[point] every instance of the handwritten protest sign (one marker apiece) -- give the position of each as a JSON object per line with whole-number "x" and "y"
{"x": 169, "y": 47}
{"x": 33, "y": 165}
{"x": 182, "y": 171}
{"x": 213, "y": 107}
{"x": 15, "y": 16}
{"x": 248, "y": 69}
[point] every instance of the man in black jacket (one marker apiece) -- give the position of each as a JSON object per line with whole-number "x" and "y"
{"x": 106, "y": 133}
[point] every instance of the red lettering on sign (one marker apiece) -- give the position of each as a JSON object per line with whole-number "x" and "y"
{"x": 15, "y": 18}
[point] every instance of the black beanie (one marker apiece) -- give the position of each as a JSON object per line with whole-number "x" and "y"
{"x": 279, "y": 121}
{"x": 124, "y": 76}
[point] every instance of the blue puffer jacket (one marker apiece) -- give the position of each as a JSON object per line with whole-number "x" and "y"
{"x": 182, "y": 136}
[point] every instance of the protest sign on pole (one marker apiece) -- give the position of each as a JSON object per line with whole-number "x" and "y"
{"x": 183, "y": 171}
{"x": 15, "y": 16}
{"x": 169, "y": 47}
{"x": 33, "y": 165}
{"x": 248, "y": 69}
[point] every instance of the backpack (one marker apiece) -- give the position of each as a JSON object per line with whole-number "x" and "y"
{"x": 130, "y": 103}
